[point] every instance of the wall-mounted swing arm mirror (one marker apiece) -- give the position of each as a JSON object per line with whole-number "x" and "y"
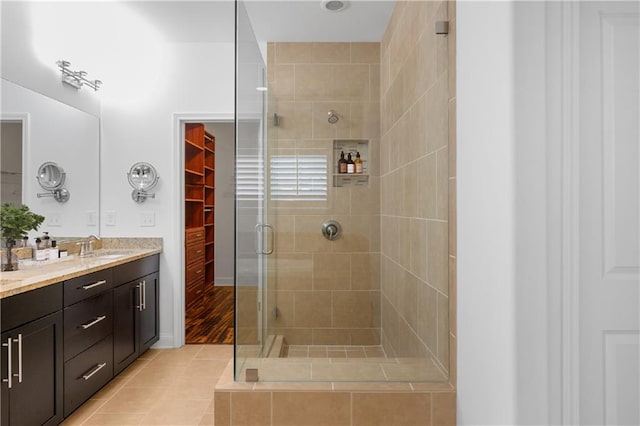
{"x": 143, "y": 178}
{"x": 51, "y": 178}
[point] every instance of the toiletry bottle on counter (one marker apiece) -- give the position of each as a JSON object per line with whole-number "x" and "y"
{"x": 39, "y": 253}
{"x": 53, "y": 251}
{"x": 351, "y": 166}
{"x": 358, "y": 162}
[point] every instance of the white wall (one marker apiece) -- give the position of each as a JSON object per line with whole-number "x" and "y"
{"x": 486, "y": 214}
{"x": 199, "y": 79}
{"x": 225, "y": 201}
{"x": 505, "y": 311}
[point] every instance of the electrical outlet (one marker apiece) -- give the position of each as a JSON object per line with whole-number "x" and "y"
{"x": 53, "y": 219}
{"x": 148, "y": 219}
{"x": 110, "y": 218}
{"x": 92, "y": 218}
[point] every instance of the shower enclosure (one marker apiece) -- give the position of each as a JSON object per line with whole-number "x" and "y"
{"x": 369, "y": 303}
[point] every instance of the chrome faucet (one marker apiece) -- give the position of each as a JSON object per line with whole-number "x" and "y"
{"x": 86, "y": 246}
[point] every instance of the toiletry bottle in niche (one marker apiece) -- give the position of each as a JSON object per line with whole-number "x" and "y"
{"x": 351, "y": 166}
{"x": 342, "y": 163}
{"x": 358, "y": 162}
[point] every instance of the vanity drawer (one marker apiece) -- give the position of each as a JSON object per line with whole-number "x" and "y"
{"x": 195, "y": 253}
{"x": 133, "y": 270}
{"x": 86, "y": 286}
{"x": 193, "y": 236}
{"x": 86, "y": 323}
{"x": 31, "y": 305}
{"x": 85, "y": 374}
{"x": 195, "y": 272}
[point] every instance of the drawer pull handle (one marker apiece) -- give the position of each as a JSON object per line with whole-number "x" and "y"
{"x": 199, "y": 271}
{"x": 94, "y": 370}
{"x": 199, "y": 251}
{"x": 94, "y": 322}
{"x": 96, "y": 284}
{"x": 9, "y": 379}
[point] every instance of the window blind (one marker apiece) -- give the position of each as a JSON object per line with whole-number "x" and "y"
{"x": 298, "y": 177}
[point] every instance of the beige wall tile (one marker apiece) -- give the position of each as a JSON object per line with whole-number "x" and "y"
{"x": 283, "y": 300}
{"x": 330, "y": 52}
{"x": 453, "y": 295}
{"x": 374, "y": 82}
{"x": 365, "y": 271}
{"x": 352, "y": 309}
{"x": 398, "y": 409}
{"x": 311, "y": 408}
{"x": 453, "y": 218}
{"x": 308, "y": 234}
{"x": 443, "y": 330}
{"x": 314, "y": 82}
{"x": 437, "y": 258}
{"x": 442, "y": 189}
{"x": 404, "y": 237}
{"x": 293, "y": 271}
{"x": 410, "y": 190}
{"x": 427, "y": 316}
{"x": 444, "y": 408}
{"x": 365, "y": 53}
{"x": 296, "y": 336}
{"x": 322, "y": 129}
{"x": 283, "y": 82}
{"x": 313, "y": 309}
{"x": 250, "y": 408}
{"x": 367, "y": 336}
{"x": 284, "y": 241}
{"x": 427, "y": 186}
{"x": 331, "y": 336}
{"x": 293, "y": 53}
{"x": 417, "y": 132}
{"x": 452, "y": 137}
{"x": 366, "y": 200}
{"x": 295, "y": 120}
{"x": 437, "y": 115}
{"x": 451, "y": 50}
{"x": 351, "y": 82}
{"x": 355, "y": 234}
{"x": 442, "y": 55}
{"x": 365, "y": 120}
{"x": 331, "y": 271}
{"x": 418, "y": 264}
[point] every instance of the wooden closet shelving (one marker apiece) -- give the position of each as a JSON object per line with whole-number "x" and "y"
{"x": 199, "y": 207}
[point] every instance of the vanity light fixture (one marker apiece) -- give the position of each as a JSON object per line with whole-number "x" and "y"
{"x": 143, "y": 178}
{"x": 76, "y": 79}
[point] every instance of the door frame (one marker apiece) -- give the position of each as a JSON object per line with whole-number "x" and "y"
{"x": 179, "y": 120}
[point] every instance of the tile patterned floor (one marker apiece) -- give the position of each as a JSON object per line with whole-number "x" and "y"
{"x": 162, "y": 387}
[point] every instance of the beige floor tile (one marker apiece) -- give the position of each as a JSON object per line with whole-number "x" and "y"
{"x": 117, "y": 419}
{"x": 150, "y": 354}
{"x": 85, "y": 411}
{"x": 215, "y": 352}
{"x": 348, "y": 372}
{"x": 191, "y": 389}
{"x": 208, "y": 419}
{"x": 155, "y": 377}
{"x": 212, "y": 368}
{"x": 133, "y": 400}
{"x": 112, "y": 387}
{"x": 176, "y": 412}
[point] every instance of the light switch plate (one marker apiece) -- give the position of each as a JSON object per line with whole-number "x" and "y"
{"x": 92, "y": 218}
{"x": 53, "y": 219}
{"x": 110, "y": 218}
{"x": 148, "y": 219}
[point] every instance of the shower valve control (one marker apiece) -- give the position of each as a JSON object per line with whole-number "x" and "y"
{"x": 331, "y": 230}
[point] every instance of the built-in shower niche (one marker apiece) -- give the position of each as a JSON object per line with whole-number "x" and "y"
{"x": 351, "y": 146}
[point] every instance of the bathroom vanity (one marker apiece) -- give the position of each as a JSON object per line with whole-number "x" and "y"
{"x": 69, "y": 327}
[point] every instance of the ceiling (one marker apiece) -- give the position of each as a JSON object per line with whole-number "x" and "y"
{"x": 280, "y": 20}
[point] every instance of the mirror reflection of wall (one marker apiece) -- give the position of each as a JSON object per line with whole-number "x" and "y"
{"x": 11, "y": 162}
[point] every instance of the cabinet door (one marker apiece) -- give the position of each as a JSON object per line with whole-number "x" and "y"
{"x": 37, "y": 399}
{"x": 148, "y": 327}
{"x": 125, "y": 310}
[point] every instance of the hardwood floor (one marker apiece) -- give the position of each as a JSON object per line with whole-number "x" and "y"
{"x": 211, "y": 322}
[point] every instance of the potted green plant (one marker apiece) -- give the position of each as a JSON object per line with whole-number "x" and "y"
{"x": 15, "y": 223}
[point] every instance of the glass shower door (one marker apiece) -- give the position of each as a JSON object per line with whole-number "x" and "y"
{"x": 252, "y": 233}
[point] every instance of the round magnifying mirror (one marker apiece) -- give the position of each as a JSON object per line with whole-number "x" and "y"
{"x": 51, "y": 176}
{"x": 143, "y": 176}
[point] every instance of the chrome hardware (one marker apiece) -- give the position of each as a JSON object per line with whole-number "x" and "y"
{"x": 331, "y": 230}
{"x": 260, "y": 241}
{"x": 144, "y": 294}
{"x": 96, "y": 284}
{"x": 94, "y": 370}
{"x": 51, "y": 178}
{"x": 19, "y": 340}
{"x": 76, "y": 79}
{"x": 143, "y": 178}
{"x": 86, "y": 246}
{"x": 94, "y": 322}
{"x": 140, "y": 307}
{"x": 9, "y": 379}
{"x": 442, "y": 27}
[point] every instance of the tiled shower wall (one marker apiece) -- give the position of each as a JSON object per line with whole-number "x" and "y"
{"x": 414, "y": 180}
{"x": 326, "y": 292}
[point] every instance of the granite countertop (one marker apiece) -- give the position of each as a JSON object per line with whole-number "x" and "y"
{"x": 33, "y": 275}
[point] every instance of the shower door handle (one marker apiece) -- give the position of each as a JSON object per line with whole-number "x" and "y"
{"x": 260, "y": 239}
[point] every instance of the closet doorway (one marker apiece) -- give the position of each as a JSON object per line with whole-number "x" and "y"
{"x": 208, "y": 232}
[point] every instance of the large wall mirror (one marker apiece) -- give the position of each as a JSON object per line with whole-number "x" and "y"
{"x": 36, "y": 129}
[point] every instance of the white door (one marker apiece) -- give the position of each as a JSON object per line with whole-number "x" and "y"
{"x": 609, "y": 215}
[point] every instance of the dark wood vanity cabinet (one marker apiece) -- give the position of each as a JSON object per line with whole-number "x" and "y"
{"x": 67, "y": 340}
{"x": 32, "y": 358}
{"x": 135, "y": 300}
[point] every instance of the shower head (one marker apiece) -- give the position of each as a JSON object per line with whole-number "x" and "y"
{"x": 333, "y": 117}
